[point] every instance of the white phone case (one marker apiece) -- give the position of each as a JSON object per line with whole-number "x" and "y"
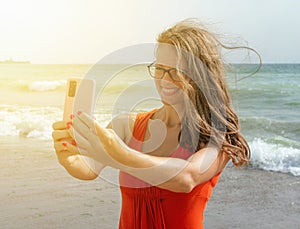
{"x": 80, "y": 95}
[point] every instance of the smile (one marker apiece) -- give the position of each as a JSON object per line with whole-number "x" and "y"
{"x": 169, "y": 91}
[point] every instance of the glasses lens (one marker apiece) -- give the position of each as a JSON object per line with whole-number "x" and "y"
{"x": 159, "y": 72}
{"x": 156, "y": 72}
{"x": 175, "y": 74}
{"x": 151, "y": 70}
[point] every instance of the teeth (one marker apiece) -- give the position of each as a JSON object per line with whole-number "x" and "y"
{"x": 169, "y": 90}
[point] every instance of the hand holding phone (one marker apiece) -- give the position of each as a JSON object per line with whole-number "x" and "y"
{"x": 80, "y": 96}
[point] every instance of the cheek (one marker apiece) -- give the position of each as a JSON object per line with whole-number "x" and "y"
{"x": 166, "y": 83}
{"x": 167, "y": 96}
{"x": 157, "y": 85}
{"x": 156, "y": 81}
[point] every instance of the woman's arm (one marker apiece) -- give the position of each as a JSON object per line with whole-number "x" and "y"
{"x": 174, "y": 174}
{"x": 169, "y": 173}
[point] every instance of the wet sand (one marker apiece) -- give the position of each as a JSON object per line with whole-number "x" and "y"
{"x": 36, "y": 192}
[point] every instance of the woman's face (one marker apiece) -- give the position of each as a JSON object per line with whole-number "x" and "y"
{"x": 170, "y": 91}
{"x": 168, "y": 79}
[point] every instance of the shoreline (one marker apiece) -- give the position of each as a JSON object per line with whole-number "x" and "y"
{"x": 37, "y": 192}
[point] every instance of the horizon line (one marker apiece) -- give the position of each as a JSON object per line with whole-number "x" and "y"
{"x": 32, "y": 63}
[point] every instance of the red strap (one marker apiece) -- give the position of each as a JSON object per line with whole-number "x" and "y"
{"x": 139, "y": 129}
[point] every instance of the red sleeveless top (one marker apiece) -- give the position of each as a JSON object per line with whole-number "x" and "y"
{"x": 149, "y": 207}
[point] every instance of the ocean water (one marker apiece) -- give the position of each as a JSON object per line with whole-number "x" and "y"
{"x": 268, "y": 104}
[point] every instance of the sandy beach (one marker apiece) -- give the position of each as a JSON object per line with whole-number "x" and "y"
{"x": 36, "y": 192}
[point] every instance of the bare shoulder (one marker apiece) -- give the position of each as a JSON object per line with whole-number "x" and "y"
{"x": 123, "y": 126}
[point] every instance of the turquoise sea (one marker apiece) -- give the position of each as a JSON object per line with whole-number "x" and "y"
{"x": 268, "y": 104}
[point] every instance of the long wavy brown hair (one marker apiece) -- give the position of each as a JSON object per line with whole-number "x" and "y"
{"x": 209, "y": 116}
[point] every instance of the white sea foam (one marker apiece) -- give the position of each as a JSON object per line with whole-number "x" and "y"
{"x": 26, "y": 121}
{"x": 46, "y": 85}
{"x": 33, "y": 122}
{"x": 275, "y": 157}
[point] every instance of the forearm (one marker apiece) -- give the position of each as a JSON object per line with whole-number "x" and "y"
{"x": 165, "y": 172}
{"x": 174, "y": 174}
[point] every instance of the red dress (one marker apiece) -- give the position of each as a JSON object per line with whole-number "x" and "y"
{"x": 149, "y": 207}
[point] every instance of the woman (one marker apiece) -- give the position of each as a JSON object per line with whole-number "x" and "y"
{"x": 173, "y": 156}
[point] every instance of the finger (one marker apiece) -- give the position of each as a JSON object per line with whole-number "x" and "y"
{"x": 84, "y": 130}
{"x": 95, "y": 129}
{"x": 70, "y": 131}
{"x": 101, "y": 132}
{"x": 58, "y": 135}
{"x": 80, "y": 140}
{"x": 87, "y": 120}
{"x": 94, "y": 125}
{"x": 60, "y": 125}
{"x": 66, "y": 147}
{"x": 62, "y": 147}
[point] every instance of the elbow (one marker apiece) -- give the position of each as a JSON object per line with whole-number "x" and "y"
{"x": 187, "y": 182}
{"x": 184, "y": 184}
{"x": 188, "y": 187}
{"x": 183, "y": 188}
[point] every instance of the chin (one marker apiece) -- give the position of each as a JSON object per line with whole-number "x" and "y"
{"x": 172, "y": 100}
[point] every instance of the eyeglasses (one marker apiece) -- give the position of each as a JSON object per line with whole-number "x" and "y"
{"x": 159, "y": 72}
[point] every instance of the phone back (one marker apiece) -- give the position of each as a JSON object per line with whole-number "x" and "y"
{"x": 80, "y": 95}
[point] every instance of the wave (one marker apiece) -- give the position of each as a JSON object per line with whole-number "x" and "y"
{"x": 275, "y": 157}
{"x": 274, "y": 153}
{"x": 28, "y": 122}
{"x": 33, "y": 122}
{"x": 46, "y": 85}
{"x": 35, "y": 86}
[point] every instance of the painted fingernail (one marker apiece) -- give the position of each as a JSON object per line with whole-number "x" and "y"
{"x": 69, "y": 124}
{"x": 79, "y": 112}
{"x": 73, "y": 142}
{"x": 64, "y": 144}
{"x": 71, "y": 116}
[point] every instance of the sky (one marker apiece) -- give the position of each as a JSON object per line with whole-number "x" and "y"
{"x": 83, "y": 31}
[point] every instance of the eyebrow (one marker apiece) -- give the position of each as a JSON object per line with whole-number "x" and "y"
{"x": 163, "y": 66}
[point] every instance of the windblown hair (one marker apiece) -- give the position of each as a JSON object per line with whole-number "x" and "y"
{"x": 209, "y": 116}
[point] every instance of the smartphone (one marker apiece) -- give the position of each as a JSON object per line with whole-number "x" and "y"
{"x": 80, "y": 96}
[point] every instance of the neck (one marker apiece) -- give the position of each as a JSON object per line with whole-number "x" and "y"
{"x": 170, "y": 115}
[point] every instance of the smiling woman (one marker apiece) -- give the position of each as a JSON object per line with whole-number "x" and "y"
{"x": 165, "y": 181}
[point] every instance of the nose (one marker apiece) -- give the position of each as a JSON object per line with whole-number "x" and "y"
{"x": 167, "y": 81}
{"x": 167, "y": 77}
